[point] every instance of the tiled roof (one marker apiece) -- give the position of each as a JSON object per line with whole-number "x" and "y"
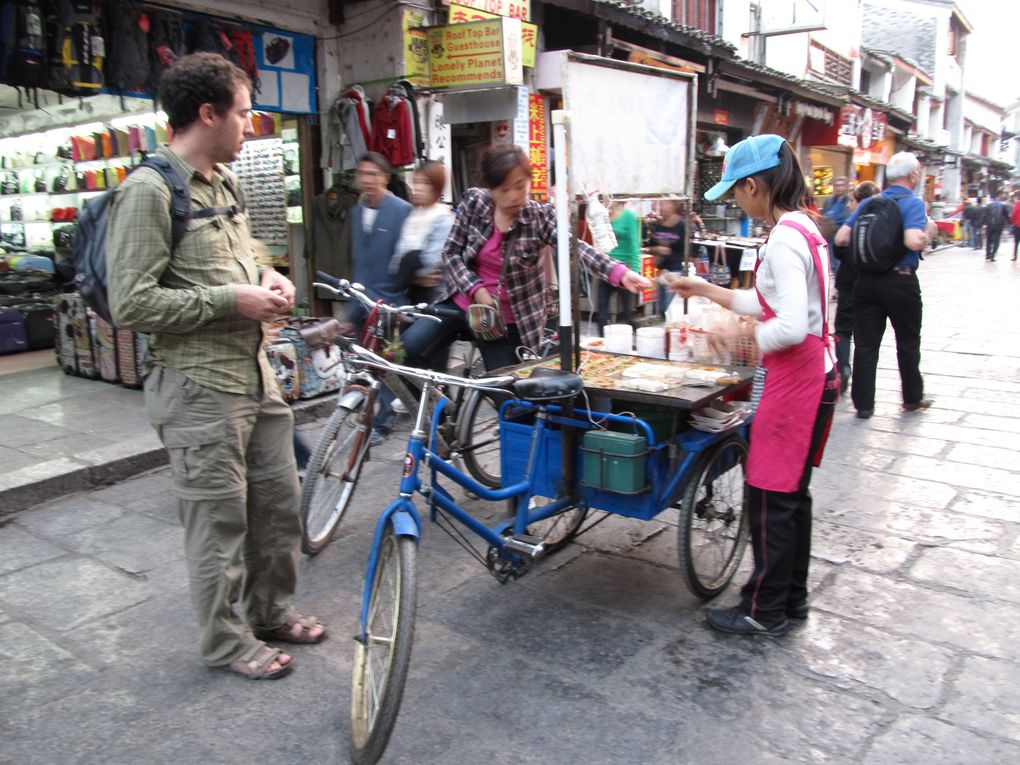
{"x": 901, "y": 31}
{"x": 865, "y": 100}
{"x": 662, "y": 21}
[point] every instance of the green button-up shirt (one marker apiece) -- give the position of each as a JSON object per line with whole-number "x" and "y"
{"x": 185, "y": 300}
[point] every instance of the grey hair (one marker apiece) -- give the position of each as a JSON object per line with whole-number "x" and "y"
{"x": 901, "y": 165}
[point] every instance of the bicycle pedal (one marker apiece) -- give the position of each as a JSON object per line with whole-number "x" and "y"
{"x": 533, "y": 547}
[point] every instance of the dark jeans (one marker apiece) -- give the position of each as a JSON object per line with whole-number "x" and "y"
{"x": 1016, "y": 239}
{"x": 624, "y": 304}
{"x": 992, "y": 246}
{"x": 428, "y": 342}
{"x": 781, "y": 531}
{"x": 895, "y": 296}
{"x": 843, "y": 325}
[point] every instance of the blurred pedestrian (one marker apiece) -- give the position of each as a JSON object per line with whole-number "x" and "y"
{"x": 996, "y": 218}
{"x": 627, "y": 228}
{"x": 418, "y": 260}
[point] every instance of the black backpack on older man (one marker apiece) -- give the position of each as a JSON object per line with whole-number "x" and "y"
{"x": 876, "y": 241}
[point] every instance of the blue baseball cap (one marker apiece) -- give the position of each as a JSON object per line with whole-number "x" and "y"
{"x": 750, "y": 156}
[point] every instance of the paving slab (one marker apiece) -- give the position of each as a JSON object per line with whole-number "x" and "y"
{"x": 916, "y": 739}
{"x": 985, "y": 698}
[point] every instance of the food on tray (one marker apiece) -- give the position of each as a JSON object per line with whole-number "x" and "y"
{"x": 641, "y": 383}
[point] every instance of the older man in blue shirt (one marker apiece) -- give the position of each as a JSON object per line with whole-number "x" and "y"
{"x": 894, "y": 295}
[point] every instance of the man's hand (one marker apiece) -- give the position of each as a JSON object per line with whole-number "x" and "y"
{"x": 280, "y": 284}
{"x": 261, "y": 304}
{"x": 635, "y": 282}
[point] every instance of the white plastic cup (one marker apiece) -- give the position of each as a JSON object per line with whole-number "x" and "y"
{"x": 651, "y": 342}
{"x": 619, "y": 338}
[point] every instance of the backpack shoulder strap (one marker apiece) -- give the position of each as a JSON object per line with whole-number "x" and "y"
{"x": 180, "y": 196}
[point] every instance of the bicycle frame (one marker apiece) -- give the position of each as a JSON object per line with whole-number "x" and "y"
{"x": 403, "y": 514}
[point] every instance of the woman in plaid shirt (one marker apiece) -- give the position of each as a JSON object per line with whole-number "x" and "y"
{"x": 494, "y": 251}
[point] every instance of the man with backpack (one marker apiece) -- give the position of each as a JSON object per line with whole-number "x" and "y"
{"x": 887, "y": 234}
{"x": 996, "y": 218}
{"x": 210, "y": 392}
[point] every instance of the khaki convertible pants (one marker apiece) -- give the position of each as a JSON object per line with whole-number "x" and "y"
{"x": 232, "y": 459}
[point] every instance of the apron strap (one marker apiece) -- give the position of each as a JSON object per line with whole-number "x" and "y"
{"x": 814, "y": 240}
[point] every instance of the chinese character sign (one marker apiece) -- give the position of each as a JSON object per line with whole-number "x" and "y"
{"x": 460, "y": 14}
{"x": 860, "y": 127}
{"x": 538, "y": 147}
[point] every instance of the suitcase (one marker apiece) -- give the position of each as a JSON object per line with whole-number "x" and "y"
{"x": 83, "y": 324}
{"x": 131, "y": 348}
{"x": 12, "y": 331}
{"x": 107, "y": 337}
{"x": 318, "y": 372}
{"x": 283, "y": 358}
{"x": 40, "y": 325}
{"x": 67, "y": 356}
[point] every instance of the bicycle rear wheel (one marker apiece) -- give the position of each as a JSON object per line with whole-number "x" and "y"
{"x": 557, "y": 530}
{"x": 382, "y": 658}
{"x": 332, "y": 476}
{"x": 478, "y": 437}
{"x": 714, "y": 523}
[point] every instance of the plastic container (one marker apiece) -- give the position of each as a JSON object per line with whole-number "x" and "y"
{"x": 614, "y": 461}
{"x": 651, "y": 342}
{"x": 619, "y": 338}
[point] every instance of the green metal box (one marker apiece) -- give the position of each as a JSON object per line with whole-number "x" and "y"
{"x": 614, "y": 461}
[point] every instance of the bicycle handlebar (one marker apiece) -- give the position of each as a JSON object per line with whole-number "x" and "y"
{"x": 356, "y": 291}
{"x": 367, "y": 358}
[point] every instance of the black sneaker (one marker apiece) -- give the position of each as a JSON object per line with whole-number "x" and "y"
{"x": 865, "y": 414}
{"x": 797, "y": 610}
{"x": 736, "y": 621}
{"x": 918, "y": 406}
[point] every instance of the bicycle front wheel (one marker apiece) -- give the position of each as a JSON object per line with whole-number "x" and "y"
{"x": 714, "y": 523}
{"x": 478, "y": 437}
{"x": 332, "y": 475}
{"x": 381, "y": 659}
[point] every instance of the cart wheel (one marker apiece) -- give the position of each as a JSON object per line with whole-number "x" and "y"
{"x": 559, "y": 529}
{"x": 331, "y": 476}
{"x": 714, "y": 524}
{"x": 382, "y": 659}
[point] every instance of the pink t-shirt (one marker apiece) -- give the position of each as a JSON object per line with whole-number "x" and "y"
{"x": 489, "y": 265}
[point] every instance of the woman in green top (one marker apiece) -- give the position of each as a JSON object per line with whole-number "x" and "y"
{"x": 627, "y": 227}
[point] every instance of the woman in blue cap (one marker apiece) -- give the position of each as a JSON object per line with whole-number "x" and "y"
{"x": 801, "y": 384}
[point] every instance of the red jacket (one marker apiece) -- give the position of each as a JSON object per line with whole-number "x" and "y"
{"x": 1014, "y": 218}
{"x": 391, "y": 131}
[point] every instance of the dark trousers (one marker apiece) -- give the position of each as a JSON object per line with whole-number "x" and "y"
{"x": 624, "y": 304}
{"x": 427, "y": 342}
{"x": 896, "y": 296}
{"x": 978, "y": 237}
{"x": 781, "y": 530}
{"x": 843, "y": 325}
{"x": 992, "y": 246}
{"x": 1016, "y": 239}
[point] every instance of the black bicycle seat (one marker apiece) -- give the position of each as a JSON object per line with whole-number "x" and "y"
{"x": 548, "y": 385}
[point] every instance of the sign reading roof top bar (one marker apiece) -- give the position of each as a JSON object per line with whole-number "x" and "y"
{"x": 476, "y": 54}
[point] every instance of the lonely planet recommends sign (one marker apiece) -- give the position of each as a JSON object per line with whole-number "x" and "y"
{"x": 476, "y": 54}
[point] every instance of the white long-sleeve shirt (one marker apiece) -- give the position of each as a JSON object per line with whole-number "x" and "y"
{"x": 789, "y": 284}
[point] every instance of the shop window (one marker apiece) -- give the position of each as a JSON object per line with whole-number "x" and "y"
{"x": 828, "y": 64}
{"x": 700, "y": 14}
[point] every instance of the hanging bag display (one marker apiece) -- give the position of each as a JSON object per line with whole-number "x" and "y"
{"x": 719, "y": 273}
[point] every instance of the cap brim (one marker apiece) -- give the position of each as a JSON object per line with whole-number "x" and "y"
{"x": 718, "y": 190}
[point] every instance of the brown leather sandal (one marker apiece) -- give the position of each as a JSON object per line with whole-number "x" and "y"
{"x": 285, "y": 632}
{"x": 256, "y": 663}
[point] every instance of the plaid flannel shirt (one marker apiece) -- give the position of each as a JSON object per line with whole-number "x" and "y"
{"x": 534, "y": 228}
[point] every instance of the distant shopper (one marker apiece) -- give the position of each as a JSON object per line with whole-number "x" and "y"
{"x": 893, "y": 296}
{"x": 846, "y": 279}
{"x": 209, "y": 389}
{"x": 979, "y": 225}
{"x": 968, "y": 217}
{"x": 800, "y": 392}
{"x": 1014, "y": 219}
{"x": 996, "y": 218}
{"x": 627, "y": 228}
{"x": 418, "y": 261}
{"x": 836, "y": 210}
{"x": 668, "y": 238}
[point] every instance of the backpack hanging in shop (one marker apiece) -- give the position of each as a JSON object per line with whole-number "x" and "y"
{"x": 76, "y": 48}
{"x": 127, "y": 66}
{"x": 876, "y": 241}
{"x": 210, "y": 36}
{"x": 22, "y": 36}
{"x": 167, "y": 34}
{"x": 88, "y": 247}
{"x": 244, "y": 47}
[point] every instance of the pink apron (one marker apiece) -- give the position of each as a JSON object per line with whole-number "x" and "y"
{"x": 795, "y": 379}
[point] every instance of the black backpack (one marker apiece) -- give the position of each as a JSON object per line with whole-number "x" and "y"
{"x": 76, "y": 48}
{"x": 876, "y": 241}
{"x": 127, "y": 37}
{"x": 167, "y": 35}
{"x": 23, "y": 43}
{"x": 88, "y": 245}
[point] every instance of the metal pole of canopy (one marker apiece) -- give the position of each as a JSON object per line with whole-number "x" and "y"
{"x": 560, "y": 122}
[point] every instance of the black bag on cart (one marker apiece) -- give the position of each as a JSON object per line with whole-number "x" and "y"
{"x": 40, "y": 325}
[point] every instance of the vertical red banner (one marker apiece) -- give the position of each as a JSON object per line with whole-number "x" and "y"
{"x": 538, "y": 148}
{"x": 650, "y": 271}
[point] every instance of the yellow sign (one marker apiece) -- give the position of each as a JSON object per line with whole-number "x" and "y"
{"x": 514, "y": 9}
{"x": 416, "y": 48}
{"x": 460, "y": 14}
{"x": 476, "y": 53}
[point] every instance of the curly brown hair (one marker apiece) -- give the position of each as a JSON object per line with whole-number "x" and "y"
{"x": 196, "y": 79}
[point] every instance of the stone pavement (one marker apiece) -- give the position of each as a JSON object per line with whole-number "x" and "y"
{"x": 911, "y": 654}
